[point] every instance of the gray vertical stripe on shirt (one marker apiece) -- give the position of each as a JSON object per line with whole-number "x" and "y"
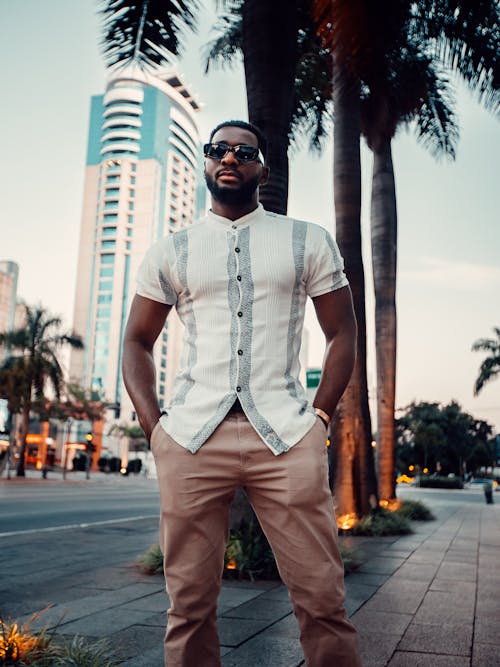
{"x": 185, "y": 382}
{"x": 298, "y": 248}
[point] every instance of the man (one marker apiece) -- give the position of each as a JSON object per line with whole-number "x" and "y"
{"x": 238, "y": 416}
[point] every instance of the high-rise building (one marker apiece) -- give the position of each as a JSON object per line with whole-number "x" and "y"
{"x": 142, "y": 182}
{"x": 9, "y": 272}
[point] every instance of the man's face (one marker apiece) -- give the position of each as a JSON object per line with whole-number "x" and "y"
{"x": 230, "y": 181}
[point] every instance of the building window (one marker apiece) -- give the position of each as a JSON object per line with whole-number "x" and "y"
{"x": 110, "y": 217}
{"x": 129, "y": 232}
{"x": 114, "y": 178}
{"x": 109, "y": 231}
{"x": 133, "y": 167}
{"x": 164, "y": 349}
{"x": 107, "y": 259}
{"x": 103, "y": 313}
{"x": 131, "y": 206}
{"x": 106, "y": 272}
{"x": 112, "y": 193}
{"x": 162, "y": 390}
{"x": 128, "y": 245}
{"x": 103, "y": 325}
{"x": 132, "y": 180}
{"x": 132, "y": 192}
{"x": 105, "y": 286}
{"x": 108, "y": 245}
{"x": 164, "y": 337}
{"x": 110, "y": 205}
{"x": 104, "y": 298}
{"x": 102, "y": 340}
{"x": 162, "y": 376}
{"x": 130, "y": 219}
{"x": 163, "y": 363}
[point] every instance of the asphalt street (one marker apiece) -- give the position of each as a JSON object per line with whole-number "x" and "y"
{"x": 47, "y": 505}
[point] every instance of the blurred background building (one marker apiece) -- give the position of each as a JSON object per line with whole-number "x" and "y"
{"x": 142, "y": 181}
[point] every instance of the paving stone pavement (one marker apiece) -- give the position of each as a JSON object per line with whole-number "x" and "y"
{"x": 426, "y": 599}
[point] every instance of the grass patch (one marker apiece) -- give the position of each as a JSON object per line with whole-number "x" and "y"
{"x": 21, "y": 647}
{"x": 382, "y": 523}
{"x": 415, "y": 510}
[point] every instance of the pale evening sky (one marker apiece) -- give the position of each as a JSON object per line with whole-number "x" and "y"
{"x": 449, "y": 231}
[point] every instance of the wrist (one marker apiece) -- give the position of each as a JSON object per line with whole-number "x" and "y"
{"x": 324, "y": 416}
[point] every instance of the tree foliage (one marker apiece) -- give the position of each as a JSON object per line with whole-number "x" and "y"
{"x": 32, "y": 364}
{"x": 442, "y": 439}
{"x": 490, "y": 367}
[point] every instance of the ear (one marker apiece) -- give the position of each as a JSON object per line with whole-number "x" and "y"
{"x": 264, "y": 176}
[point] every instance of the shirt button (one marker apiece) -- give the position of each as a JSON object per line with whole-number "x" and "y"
{"x": 238, "y": 388}
{"x": 238, "y": 277}
{"x": 240, "y": 314}
{"x": 234, "y": 227}
{"x": 240, "y": 352}
{"x": 236, "y": 250}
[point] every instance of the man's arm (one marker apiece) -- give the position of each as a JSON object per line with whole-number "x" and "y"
{"x": 336, "y": 317}
{"x": 145, "y": 322}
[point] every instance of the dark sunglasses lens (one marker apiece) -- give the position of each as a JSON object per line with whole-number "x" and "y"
{"x": 215, "y": 151}
{"x": 246, "y": 153}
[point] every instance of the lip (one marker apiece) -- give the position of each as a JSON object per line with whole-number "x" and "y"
{"x": 227, "y": 175}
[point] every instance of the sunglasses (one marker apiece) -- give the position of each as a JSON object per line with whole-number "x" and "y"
{"x": 242, "y": 152}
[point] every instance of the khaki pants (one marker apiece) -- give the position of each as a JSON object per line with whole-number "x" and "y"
{"x": 293, "y": 503}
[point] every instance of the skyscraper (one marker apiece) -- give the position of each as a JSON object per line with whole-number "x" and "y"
{"x": 9, "y": 272}
{"x": 142, "y": 181}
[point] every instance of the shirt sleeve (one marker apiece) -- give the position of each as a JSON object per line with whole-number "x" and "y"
{"x": 325, "y": 264}
{"x": 154, "y": 278}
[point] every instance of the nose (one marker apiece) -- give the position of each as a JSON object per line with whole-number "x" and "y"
{"x": 229, "y": 158}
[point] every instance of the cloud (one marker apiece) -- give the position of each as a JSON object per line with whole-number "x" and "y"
{"x": 454, "y": 274}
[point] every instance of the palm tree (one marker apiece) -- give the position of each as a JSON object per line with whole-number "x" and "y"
{"x": 416, "y": 90}
{"x": 33, "y": 364}
{"x": 380, "y": 53}
{"x": 490, "y": 367}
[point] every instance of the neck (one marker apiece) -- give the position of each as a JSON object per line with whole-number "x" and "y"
{"x": 232, "y": 212}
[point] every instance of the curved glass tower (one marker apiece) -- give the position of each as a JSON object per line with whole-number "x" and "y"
{"x": 142, "y": 181}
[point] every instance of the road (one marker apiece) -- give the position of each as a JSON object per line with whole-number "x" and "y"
{"x": 36, "y": 506}
{"x": 471, "y": 494}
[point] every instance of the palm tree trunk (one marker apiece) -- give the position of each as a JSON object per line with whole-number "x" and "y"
{"x": 384, "y": 252}
{"x": 354, "y": 475}
{"x": 25, "y": 424}
{"x": 269, "y": 57}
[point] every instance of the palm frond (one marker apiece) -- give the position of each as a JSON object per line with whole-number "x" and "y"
{"x": 465, "y": 35}
{"x": 146, "y": 33}
{"x": 224, "y": 49}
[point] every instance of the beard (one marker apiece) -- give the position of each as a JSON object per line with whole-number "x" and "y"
{"x": 230, "y": 195}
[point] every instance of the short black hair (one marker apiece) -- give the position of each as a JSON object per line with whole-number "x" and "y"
{"x": 261, "y": 140}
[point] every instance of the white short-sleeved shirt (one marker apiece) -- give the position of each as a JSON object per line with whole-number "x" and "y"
{"x": 240, "y": 288}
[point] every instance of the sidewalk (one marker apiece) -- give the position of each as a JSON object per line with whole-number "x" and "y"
{"x": 431, "y": 598}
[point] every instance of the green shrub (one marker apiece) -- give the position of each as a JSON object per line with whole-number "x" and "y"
{"x": 151, "y": 561}
{"x": 441, "y": 483}
{"x": 415, "y": 510}
{"x": 350, "y": 557}
{"x": 381, "y": 522}
{"x": 248, "y": 554}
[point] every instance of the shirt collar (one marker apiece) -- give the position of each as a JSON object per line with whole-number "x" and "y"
{"x": 244, "y": 221}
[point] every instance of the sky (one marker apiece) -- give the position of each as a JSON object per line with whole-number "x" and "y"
{"x": 448, "y": 291}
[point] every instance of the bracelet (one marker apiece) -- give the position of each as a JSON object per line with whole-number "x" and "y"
{"x": 323, "y": 415}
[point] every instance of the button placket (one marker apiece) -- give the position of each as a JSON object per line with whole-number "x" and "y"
{"x": 239, "y": 312}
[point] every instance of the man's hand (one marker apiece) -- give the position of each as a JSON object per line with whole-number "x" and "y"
{"x": 336, "y": 317}
{"x": 145, "y": 322}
